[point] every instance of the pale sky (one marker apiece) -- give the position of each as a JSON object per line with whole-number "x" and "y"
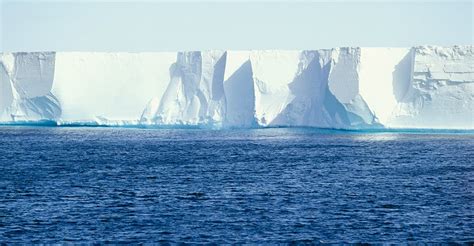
{"x": 202, "y": 25}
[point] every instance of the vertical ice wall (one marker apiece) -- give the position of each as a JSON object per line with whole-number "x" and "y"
{"x": 343, "y": 82}
{"x": 383, "y": 77}
{"x": 427, "y": 87}
{"x": 109, "y": 88}
{"x": 195, "y": 93}
{"x": 239, "y": 90}
{"x": 6, "y": 90}
{"x": 286, "y": 88}
{"x": 272, "y": 74}
{"x": 307, "y": 98}
{"x": 440, "y": 93}
{"x": 27, "y": 80}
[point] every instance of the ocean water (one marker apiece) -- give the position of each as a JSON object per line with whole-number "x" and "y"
{"x": 120, "y": 185}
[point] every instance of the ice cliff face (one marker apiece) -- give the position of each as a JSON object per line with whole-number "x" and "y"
{"x": 25, "y": 87}
{"x": 350, "y": 88}
{"x": 440, "y": 90}
{"x": 195, "y": 93}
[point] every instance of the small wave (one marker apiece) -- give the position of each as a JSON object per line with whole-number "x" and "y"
{"x": 138, "y": 125}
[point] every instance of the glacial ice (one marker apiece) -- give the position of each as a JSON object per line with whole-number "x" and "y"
{"x": 347, "y": 88}
{"x": 108, "y": 88}
{"x": 26, "y": 83}
{"x": 195, "y": 93}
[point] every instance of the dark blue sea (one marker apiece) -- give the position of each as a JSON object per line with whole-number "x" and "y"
{"x": 126, "y": 185}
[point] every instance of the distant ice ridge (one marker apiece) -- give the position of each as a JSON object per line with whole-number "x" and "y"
{"x": 344, "y": 88}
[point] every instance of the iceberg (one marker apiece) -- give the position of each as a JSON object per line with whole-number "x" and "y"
{"x": 344, "y": 88}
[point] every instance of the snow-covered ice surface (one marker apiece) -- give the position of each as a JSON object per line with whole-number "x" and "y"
{"x": 346, "y": 88}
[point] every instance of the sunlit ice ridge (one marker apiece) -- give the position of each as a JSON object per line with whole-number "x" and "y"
{"x": 427, "y": 87}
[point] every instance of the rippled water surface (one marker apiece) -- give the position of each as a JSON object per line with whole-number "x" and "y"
{"x": 234, "y": 186}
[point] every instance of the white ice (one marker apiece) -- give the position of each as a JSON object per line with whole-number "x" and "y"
{"x": 350, "y": 88}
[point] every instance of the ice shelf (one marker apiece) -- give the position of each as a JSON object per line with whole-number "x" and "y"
{"x": 344, "y": 88}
